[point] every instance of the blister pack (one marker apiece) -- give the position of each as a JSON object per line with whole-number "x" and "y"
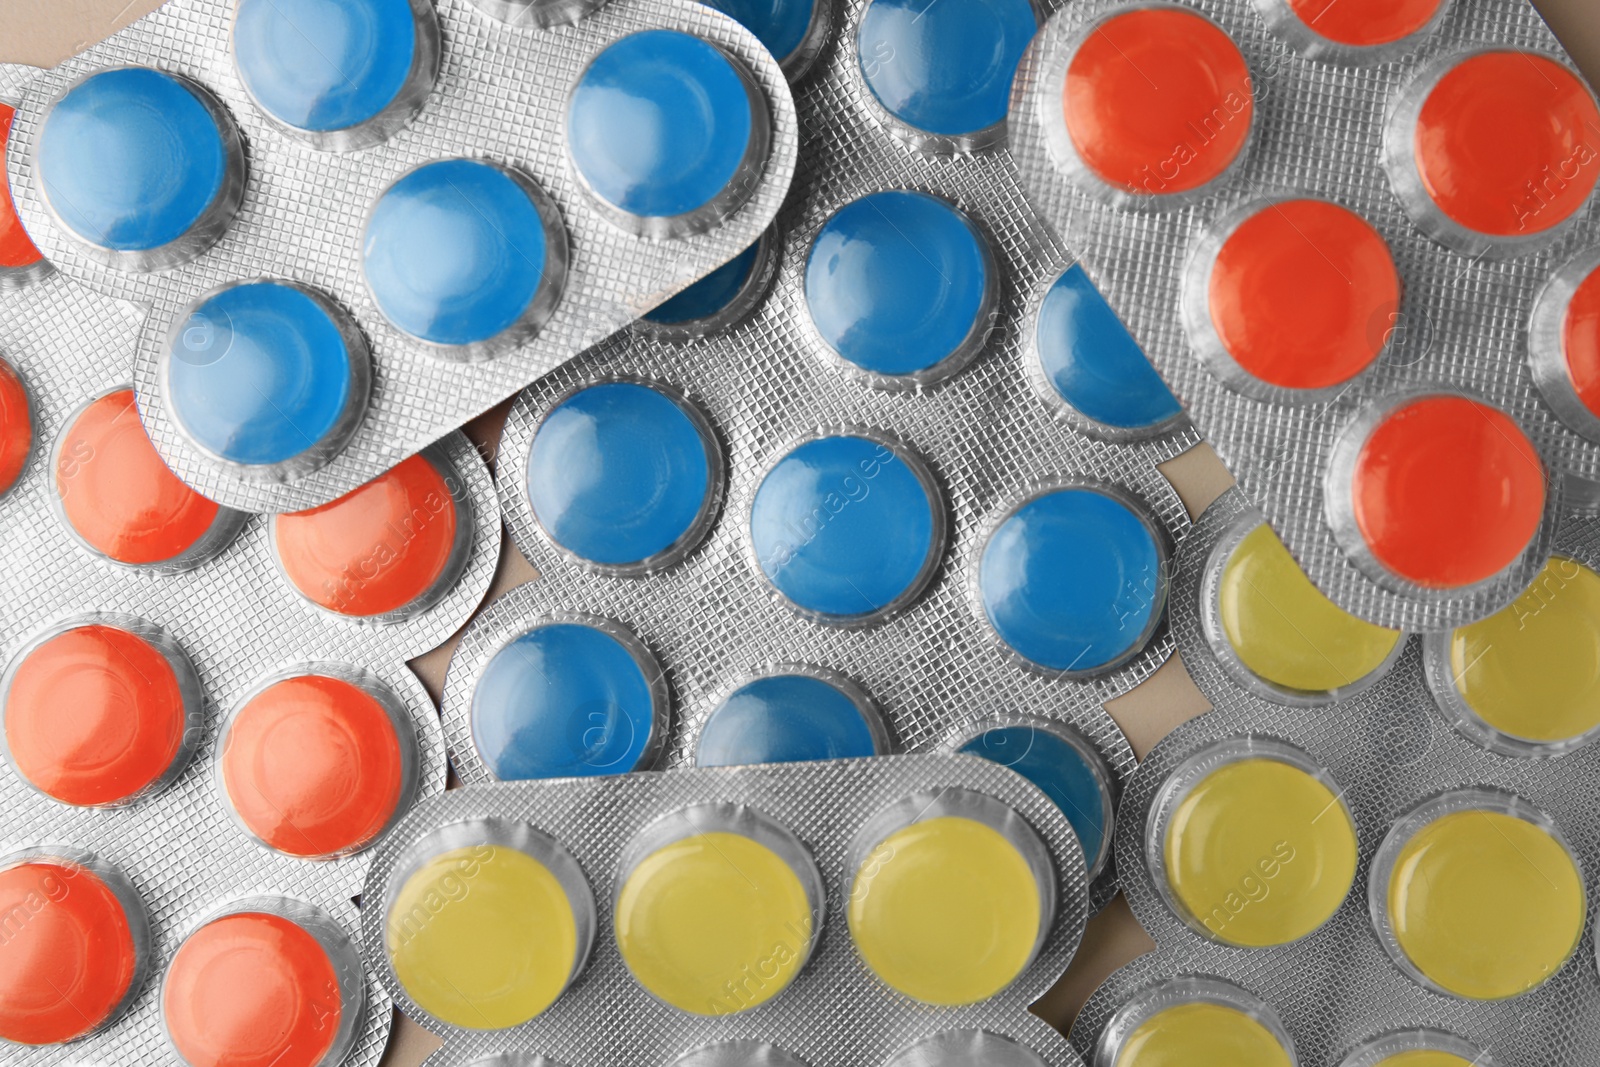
{"x": 356, "y": 226}
{"x": 1414, "y": 891}
{"x": 1354, "y": 242}
{"x": 207, "y": 718}
{"x": 861, "y": 912}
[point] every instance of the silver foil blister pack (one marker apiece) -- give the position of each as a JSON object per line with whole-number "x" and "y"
{"x": 202, "y": 633}
{"x": 1350, "y": 991}
{"x": 814, "y": 817}
{"x": 488, "y": 88}
{"x": 1314, "y": 119}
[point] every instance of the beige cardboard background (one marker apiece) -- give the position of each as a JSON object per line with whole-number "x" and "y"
{"x": 43, "y": 32}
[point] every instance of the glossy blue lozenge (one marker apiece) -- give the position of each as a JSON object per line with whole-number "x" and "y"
{"x": 620, "y": 473}
{"x": 455, "y": 252}
{"x": 323, "y": 65}
{"x": 710, "y": 295}
{"x": 1092, "y": 363}
{"x": 1060, "y": 770}
{"x": 563, "y": 700}
{"x": 944, "y": 66}
{"x": 896, "y": 282}
{"x": 659, "y": 124}
{"x": 259, "y": 373}
{"x": 786, "y": 718}
{"x": 780, "y": 24}
{"x": 1071, "y": 580}
{"x": 844, "y": 528}
{"x": 131, "y": 159}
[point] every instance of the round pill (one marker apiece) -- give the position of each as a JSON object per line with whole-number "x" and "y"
{"x": 900, "y": 283}
{"x": 944, "y": 68}
{"x": 624, "y": 475}
{"x": 1531, "y": 671}
{"x": 16, "y": 427}
{"x": 17, "y": 250}
{"x": 1423, "y": 1057}
{"x": 713, "y": 923}
{"x": 1364, "y": 23}
{"x": 788, "y": 718}
{"x": 313, "y": 766}
{"x": 322, "y": 67}
{"x": 1283, "y": 630}
{"x": 1072, "y": 580}
{"x": 265, "y": 373}
{"x": 661, "y": 125}
{"x": 1482, "y": 903}
{"x": 1501, "y": 144}
{"x": 1202, "y": 1034}
{"x": 381, "y": 548}
{"x": 847, "y": 527}
{"x": 1302, "y": 294}
{"x": 68, "y": 959}
{"x": 176, "y": 156}
{"x": 1445, "y": 491}
{"x": 252, "y": 989}
{"x": 712, "y": 295}
{"x": 568, "y": 699}
{"x": 499, "y": 952}
{"x": 946, "y": 910}
{"x": 1065, "y": 769}
{"x": 784, "y": 26}
{"x": 1580, "y": 341}
{"x": 1160, "y": 136}
{"x": 1090, "y": 361}
{"x": 96, "y": 715}
{"x": 1258, "y": 851}
{"x": 117, "y": 494}
{"x": 462, "y": 252}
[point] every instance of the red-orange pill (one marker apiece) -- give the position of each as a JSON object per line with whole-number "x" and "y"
{"x": 1506, "y": 143}
{"x": 1157, "y": 100}
{"x": 252, "y": 989}
{"x": 1580, "y": 341}
{"x": 117, "y": 493}
{"x": 17, "y": 249}
{"x": 94, "y": 715}
{"x": 376, "y": 549}
{"x": 16, "y": 426}
{"x": 67, "y": 952}
{"x": 1447, "y": 491}
{"x": 313, "y": 766}
{"x": 1365, "y": 23}
{"x": 1303, "y": 293}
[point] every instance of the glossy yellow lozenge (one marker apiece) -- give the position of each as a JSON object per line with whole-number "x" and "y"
{"x": 1259, "y": 852}
{"x": 1284, "y": 630}
{"x": 482, "y": 937}
{"x": 1532, "y": 670}
{"x": 946, "y": 911}
{"x": 1485, "y": 905}
{"x": 1202, "y": 1034}
{"x": 1424, "y": 1057}
{"x": 714, "y": 923}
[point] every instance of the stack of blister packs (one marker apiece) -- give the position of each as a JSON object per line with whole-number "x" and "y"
{"x": 841, "y": 478}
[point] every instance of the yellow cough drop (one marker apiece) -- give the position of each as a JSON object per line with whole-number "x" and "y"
{"x": 1202, "y": 1034}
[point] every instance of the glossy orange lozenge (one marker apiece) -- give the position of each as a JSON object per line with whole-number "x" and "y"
{"x": 1303, "y": 294}
{"x": 1447, "y": 491}
{"x": 117, "y": 493}
{"x": 312, "y": 766}
{"x": 67, "y": 953}
{"x": 1157, "y": 100}
{"x": 16, "y": 247}
{"x": 94, "y": 715}
{"x": 1507, "y": 143}
{"x": 377, "y": 548}
{"x": 16, "y": 427}
{"x": 1580, "y": 341}
{"x": 252, "y": 989}
{"x": 1365, "y": 23}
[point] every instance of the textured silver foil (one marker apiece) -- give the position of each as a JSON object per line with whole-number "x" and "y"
{"x": 501, "y": 94}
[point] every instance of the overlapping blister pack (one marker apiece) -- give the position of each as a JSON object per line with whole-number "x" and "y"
{"x": 1358, "y": 243}
{"x": 778, "y": 915}
{"x": 1398, "y": 876}
{"x": 356, "y": 226}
